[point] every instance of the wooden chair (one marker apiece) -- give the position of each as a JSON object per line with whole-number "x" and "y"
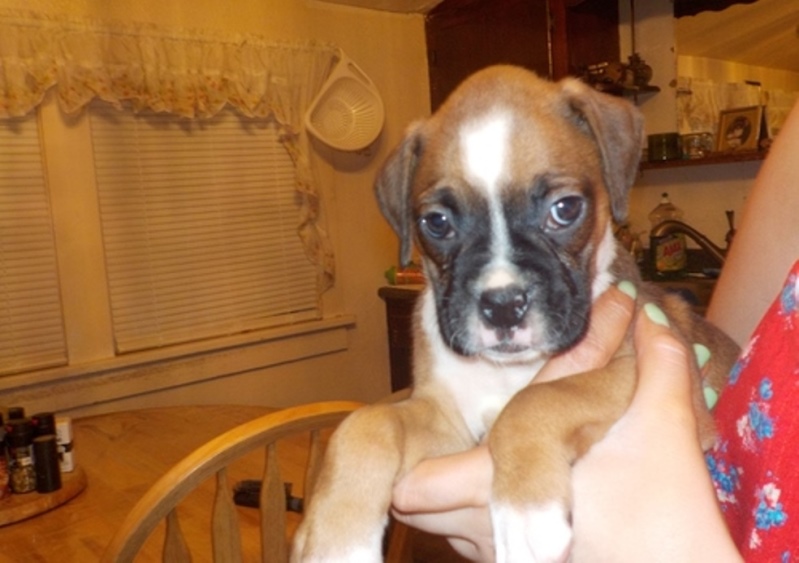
{"x": 212, "y": 459}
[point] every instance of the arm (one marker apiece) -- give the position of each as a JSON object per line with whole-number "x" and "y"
{"x": 766, "y": 243}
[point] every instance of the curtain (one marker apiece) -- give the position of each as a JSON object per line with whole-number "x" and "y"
{"x": 190, "y": 74}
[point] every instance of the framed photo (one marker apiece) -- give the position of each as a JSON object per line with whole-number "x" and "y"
{"x": 740, "y": 129}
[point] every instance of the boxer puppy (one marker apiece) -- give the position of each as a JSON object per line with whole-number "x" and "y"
{"x": 509, "y": 192}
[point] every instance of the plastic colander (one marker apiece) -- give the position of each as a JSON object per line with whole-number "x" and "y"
{"x": 347, "y": 113}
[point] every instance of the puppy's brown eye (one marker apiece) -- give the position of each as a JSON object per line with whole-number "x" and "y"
{"x": 436, "y": 224}
{"x": 564, "y": 212}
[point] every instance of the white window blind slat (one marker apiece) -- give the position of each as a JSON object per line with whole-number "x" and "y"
{"x": 199, "y": 227}
{"x": 31, "y": 319}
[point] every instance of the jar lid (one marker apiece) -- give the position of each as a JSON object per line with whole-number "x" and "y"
{"x": 43, "y": 423}
{"x": 19, "y": 432}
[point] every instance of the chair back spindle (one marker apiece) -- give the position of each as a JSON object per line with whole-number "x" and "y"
{"x": 211, "y": 460}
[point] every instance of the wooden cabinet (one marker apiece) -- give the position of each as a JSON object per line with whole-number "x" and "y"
{"x": 400, "y": 302}
{"x": 555, "y": 38}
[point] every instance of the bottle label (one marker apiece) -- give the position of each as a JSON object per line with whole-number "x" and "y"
{"x": 21, "y": 470}
{"x": 670, "y": 253}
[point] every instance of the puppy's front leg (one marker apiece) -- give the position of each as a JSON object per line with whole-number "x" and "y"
{"x": 373, "y": 447}
{"x": 534, "y": 443}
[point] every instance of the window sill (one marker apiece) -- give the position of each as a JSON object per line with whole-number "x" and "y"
{"x": 63, "y": 388}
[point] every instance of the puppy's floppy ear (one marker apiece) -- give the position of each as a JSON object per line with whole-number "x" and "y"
{"x": 393, "y": 189}
{"x": 618, "y": 127}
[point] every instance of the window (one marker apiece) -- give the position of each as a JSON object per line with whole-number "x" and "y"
{"x": 31, "y": 321}
{"x": 199, "y": 225}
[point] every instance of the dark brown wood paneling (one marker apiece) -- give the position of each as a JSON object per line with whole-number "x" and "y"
{"x": 464, "y": 36}
{"x": 555, "y": 38}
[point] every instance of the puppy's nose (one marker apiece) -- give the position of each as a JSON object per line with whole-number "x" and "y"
{"x": 503, "y": 307}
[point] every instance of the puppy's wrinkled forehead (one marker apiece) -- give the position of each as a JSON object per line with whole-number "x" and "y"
{"x": 492, "y": 144}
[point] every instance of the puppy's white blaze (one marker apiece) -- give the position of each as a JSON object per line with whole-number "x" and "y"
{"x": 536, "y": 533}
{"x": 484, "y": 152}
{"x": 605, "y": 256}
{"x": 499, "y": 272}
{"x": 483, "y": 149}
{"x": 499, "y": 275}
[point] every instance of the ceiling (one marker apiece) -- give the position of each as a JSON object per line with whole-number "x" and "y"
{"x": 765, "y": 33}
{"x": 404, "y": 6}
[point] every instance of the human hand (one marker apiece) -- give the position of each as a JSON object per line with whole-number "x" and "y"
{"x": 449, "y": 495}
{"x": 643, "y": 492}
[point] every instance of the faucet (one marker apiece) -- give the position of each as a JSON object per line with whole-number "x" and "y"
{"x": 671, "y": 227}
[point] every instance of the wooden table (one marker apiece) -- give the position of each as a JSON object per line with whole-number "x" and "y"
{"x": 123, "y": 454}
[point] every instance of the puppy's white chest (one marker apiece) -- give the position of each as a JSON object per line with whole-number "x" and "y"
{"x": 479, "y": 389}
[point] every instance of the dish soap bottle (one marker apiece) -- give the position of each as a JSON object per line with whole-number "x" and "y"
{"x": 669, "y": 252}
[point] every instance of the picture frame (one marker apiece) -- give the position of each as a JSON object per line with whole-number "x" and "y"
{"x": 741, "y": 129}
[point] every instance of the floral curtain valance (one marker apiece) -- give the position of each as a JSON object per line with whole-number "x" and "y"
{"x": 190, "y": 74}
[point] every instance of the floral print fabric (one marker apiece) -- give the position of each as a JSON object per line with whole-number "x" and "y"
{"x": 190, "y": 73}
{"x": 755, "y": 462}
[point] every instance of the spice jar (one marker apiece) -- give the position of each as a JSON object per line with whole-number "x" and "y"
{"x": 5, "y": 490}
{"x": 19, "y": 439}
{"x": 63, "y": 432}
{"x": 48, "y": 472}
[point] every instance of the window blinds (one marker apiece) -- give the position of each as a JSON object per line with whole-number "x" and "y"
{"x": 31, "y": 321}
{"x": 199, "y": 223}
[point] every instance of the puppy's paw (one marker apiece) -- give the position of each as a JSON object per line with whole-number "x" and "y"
{"x": 357, "y": 555}
{"x": 324, "y": 544}
{"x": 535, "y": 533}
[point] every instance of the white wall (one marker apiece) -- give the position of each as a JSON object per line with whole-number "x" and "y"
{"x": 390, "y": 48}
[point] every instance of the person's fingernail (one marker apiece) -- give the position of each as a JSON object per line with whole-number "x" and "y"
{"x": 702, "y": 354}
{"x": 628, "y": 288}
{"x": 711, "y": 397}
{"x": 656, "y": 314}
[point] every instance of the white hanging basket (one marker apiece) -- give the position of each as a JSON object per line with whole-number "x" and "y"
{"x": 347, "y": 113}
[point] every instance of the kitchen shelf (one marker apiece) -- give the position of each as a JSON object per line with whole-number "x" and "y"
{"x": 713, "y": 158}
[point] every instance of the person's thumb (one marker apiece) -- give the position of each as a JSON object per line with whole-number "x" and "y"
{"x": 663, "y": 365}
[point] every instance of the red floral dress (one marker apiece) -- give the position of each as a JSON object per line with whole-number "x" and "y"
{"x": 755, "y": 462}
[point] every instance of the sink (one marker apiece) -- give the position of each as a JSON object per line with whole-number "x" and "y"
{"x": 698, "y": 284}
